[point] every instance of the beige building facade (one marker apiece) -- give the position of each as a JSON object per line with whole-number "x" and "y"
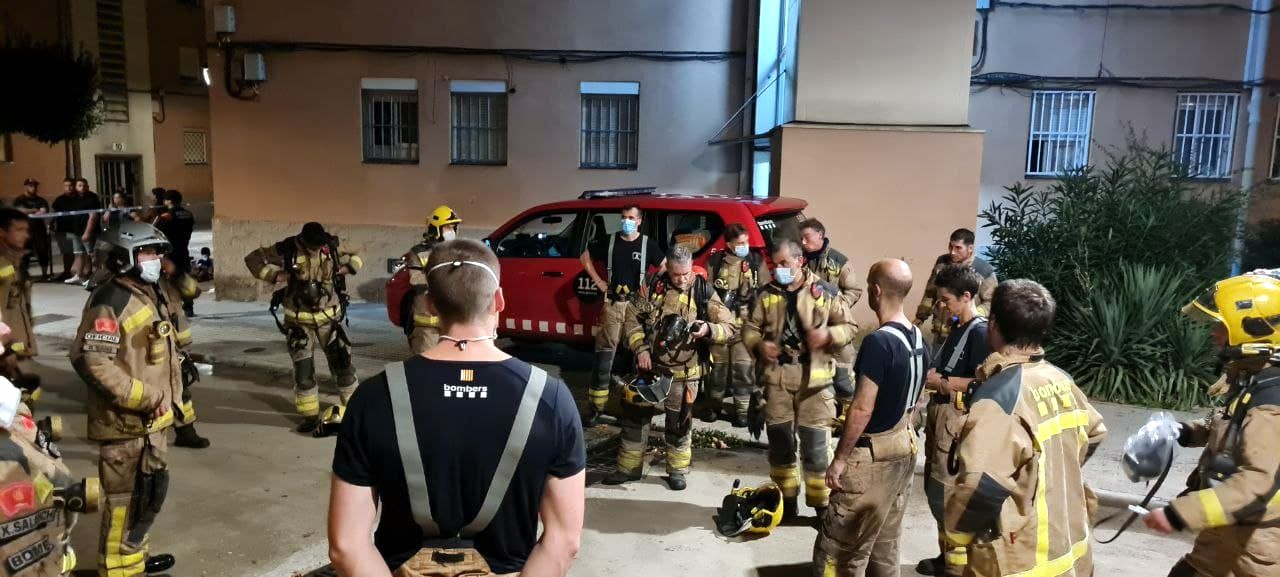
{"x": 155, "y": 102}
{"x": 1091, "y": 79}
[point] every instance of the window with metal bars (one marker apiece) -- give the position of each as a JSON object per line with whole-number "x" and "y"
{"x": 1204, "y": 133}
{"x": 610, "y": 131}
{"x": 114, "y": 81}
{"x": 195, "y": 147}
{"x": 390, "y": 126}
{"x": 478, "y": 130}
{"x": 1061, "y": 124}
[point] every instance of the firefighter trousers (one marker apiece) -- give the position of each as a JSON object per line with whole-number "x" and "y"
{"x": 1243, "y": 551}
{"x": 733, "y": 373}
{"x": 799, "y": 407}
{"x": 425, "y": 331}
{"x": 337, "y": 351}
{"x": 135, "y": 480}
{"x": 859, "y": 534}
{"x": 942, "y": 423}
{"x": 678, "y": 438}
{"x": 608, "y": 334}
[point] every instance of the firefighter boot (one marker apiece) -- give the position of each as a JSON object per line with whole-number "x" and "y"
{"x": 189, "y": 438}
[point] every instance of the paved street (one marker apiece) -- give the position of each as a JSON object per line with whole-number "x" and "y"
{"x": 254, "y": 503}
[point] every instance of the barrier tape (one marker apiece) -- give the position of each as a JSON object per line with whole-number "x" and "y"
{"x": 102, "y": 210}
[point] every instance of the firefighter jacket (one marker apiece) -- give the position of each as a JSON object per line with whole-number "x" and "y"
{"x": 181, "y": 286}
{"x": 834, "y": 267}
{"x": 817, "y": 304}
{"x": 1238, "y": 480}
{"x": 1020, "y": 503}
{"x": 126, "y": 350}
{"x": 645, "y": 319}
{"x": 310, "y": 297}
{"x": 34, "y": 523}
{"x": 416, "y": 262}
{"x": 736, "y": 280}
{"x": 928, "y": 306}
{"x": 15, "y": 289}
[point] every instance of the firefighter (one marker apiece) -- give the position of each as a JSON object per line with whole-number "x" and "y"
{"x": 960, "y": 251}
{"x": 1020, "y": 504}
{"x": 128, "y": 355}
{"x": 953, "y": 371}
{"x": 314, "y": 297}
{"x": 798, "y": 324}
{"x": 628, "y": 256}
{"x": 1234, "y": 501}
{"x": 422, "y": 326}
{"x": 665, "y": 330}
{"x": 735, "y": 274}
{"x": 833, "y": 267}
{"x": 15, "y": 289}
{"x": 180, "y": 288}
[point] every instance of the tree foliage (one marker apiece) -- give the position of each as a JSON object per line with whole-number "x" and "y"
{"x": 50, "y": 90}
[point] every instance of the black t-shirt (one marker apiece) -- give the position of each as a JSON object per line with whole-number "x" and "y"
{"x": 86, "y": 201}
{"x": 626, "y": 261}
{"x": 462, "y": 439}
{"x": 975, "y": 349}
{"x": 177, "y": 226}
{"x": 33, "y": 203}
{"x": 64, "y": 203}
{"x": 887, "y": 362}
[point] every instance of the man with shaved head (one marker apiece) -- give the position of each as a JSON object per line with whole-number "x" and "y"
{"x": 871, "y": 472}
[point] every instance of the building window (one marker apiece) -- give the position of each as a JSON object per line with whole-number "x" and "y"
{"x": 1204, "y": 133}
{"x": 390, "y": 121}
{"x": 113, "y": 78}
{"x": 195, "y": 147}
{"x": 6, "y": 148}
{"x": 478, "y": 125}
{"x": 610, "y": 125}
{"x": 1061, "y": 122}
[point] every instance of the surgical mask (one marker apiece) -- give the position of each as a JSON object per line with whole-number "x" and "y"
{"x": 629, "y": 226}
{"x": 10, "y": 400}
{"x": 741, "y": 251}
{"x": 149, "y": 270}
{"x": 783, "y": 276}
{"x": 449, "y": 234}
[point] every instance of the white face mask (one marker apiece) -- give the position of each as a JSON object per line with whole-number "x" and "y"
{"x": 149, "y": 270}
{"x": 449, "y": 234}
{"x": 10, "y": 400}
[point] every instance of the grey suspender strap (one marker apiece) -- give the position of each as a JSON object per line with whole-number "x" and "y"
{"x": 608, "y": 267}
{"x": 644, "y": 254}
{"x": 960, "y": 345}
{"x": 411, "y": 454}
{"x": 915, "y": 366}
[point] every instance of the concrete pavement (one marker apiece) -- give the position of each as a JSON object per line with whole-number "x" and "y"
{"x": 254, "y": 503}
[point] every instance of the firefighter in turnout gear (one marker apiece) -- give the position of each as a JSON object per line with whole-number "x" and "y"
{"x": 1020, "y": 504}
{"x": 314, "y": 299}
{"x": 797, "y": 325}
{"x": 666, "y": 331}
{"x": 15, "y": 289}
{"x": 735, "y": 274}
{"x": 423, "y": 327}
{"x": 39, "y": 499}
{"x": 959, "y": 251}
{"x": 127, "y": 352}
{"x": 1234, "y": 497}
{"x": 179, "y": 288}
{"x": 627, "y": 255}
{"x": 834, "y": 268}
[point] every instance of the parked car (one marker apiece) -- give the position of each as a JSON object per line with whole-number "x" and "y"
{"x": 549, "y": 295}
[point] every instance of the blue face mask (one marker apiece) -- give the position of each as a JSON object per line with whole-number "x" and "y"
{"x": 741, "y": 250}
{"x": 629, "y": 226}
{"x": 783, "y": 276}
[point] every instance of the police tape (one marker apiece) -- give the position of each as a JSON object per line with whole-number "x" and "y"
{"x": 126, "y": 209}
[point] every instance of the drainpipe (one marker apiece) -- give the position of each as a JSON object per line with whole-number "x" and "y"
{"x": 1254, "y": 69}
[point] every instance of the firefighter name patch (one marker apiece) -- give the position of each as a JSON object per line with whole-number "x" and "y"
{"x": 102, "y": 338}
{"x": 23, "y": 526}
{"x": 28, "y": 557}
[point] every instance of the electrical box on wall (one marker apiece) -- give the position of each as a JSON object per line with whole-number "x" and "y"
{"x": 224, "y": 19}
{"x": 255, "y": 67}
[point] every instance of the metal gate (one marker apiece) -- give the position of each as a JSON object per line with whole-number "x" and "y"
{"x": 119, "y": 174}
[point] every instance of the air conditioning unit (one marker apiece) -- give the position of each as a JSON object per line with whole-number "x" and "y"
{"x": 255, "y": 67}
{"x": 224, "y": 19}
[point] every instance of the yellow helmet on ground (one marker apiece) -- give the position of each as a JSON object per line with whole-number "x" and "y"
{"x": 439, "y": 218}
{"x": 1248, "y": 306}
{"x": 747, "y": 510}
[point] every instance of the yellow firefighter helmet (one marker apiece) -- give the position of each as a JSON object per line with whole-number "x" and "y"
{"x": 1248, "y": 306}
{"x": 747, "y": 510}
{"x": 439, "y": 218}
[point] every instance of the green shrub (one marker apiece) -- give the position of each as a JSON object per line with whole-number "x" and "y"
{"x": 1122, "y": 247}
